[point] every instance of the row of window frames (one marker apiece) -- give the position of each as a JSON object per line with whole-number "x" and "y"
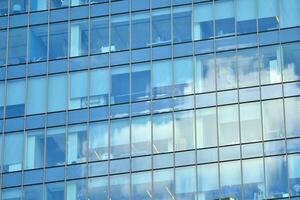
{"x": 146, "y": 42}
{"x": 35, "y": 69}
{"x": 116, "y": 6}
{"x": 274, "y": 75}
{"x": 267, "y": 23}
{"x": 123, "y": 57}
{"x": 207, "y": 128}
{"x": 165, "y": 160}
{"x": 185, "y": 175}
{"x": 145, "y": 108}
{"x": 159, "y": 161}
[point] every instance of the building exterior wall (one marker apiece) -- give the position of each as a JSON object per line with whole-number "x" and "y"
{"x": 150, "y": 99}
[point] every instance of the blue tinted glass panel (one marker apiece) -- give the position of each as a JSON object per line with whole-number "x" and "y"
{"x": 161, "y": 27}
{"x": 226, "y": 70}
{"x": 162, "y": 79}
{"x": 17, "y": 46}
{"x": 140, "y": 82}
{"x": 2, "y": 47}
{"x": 54, "y": 191}
{"x": 291, "y": 62}
{"x": 186, "y": 183}
{"x": 97, "y": 188}
{"x": 224, "y": 18}
{"x": 98, "y": 141}
{"x": 59, "y": 4}
{"x": 163, "y": 179}
{"x": 13, "y": 156}
{"x": 17, "y": 6}
{"x": 15, "y": 98}
{"x": 57, "y": 89}
{"x": 140, "y": 30}
{"x": 120, "y": 85}
{"x": 203, "y": 21}
{"x": 162, "y": 124}
{"x": 36, "y": 95}
{"x": 78, "y": 38}
{"x": 99, "y": 33}
{"x": 58, "y": 40}
{"x": 34, "y": 192}
{"x": 55, "y": 146}
{"x": 34, "y": 149}
{"x": 268, "y": 17}
{"x": 77, "y": 144}
{"x": 119, "y": 138}
{"x": 119, "y": 33}
{"x": 183, "y": 76}
{"x": 248, "y": 65}
{"x": 182, "y": 24}
{"x": 246, "y": 16}
{"x": 140, "y": 136}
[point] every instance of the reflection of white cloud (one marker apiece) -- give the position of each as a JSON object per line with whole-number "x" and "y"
{"x": 289, "y": 72}
{"x": 292, "y": 108}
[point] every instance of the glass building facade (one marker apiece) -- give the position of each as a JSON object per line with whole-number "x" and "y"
{"x": 150, "y": 99}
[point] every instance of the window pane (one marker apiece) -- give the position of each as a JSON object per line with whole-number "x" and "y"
{"x": 273, "y": 124}
{"x": 276, "y": 177}
{"x": 99, "y": 33}
{"x": 226, "y": 69}
{"x": 140, "y": 136}
{"x": 140, "y": 30}
{"x": 58, "y": 40}
{"x": 140, "y": 81}
{"x": 98, "y": 141}
{"x": 248, "y": 66}
{"x": 292, "y": 108}
{"x": 182, "y": 24}
{"x": 250, "y": 116}
{"x": 120, "y": 84}
{"x": 228, "y": 125}
{"x": 289, "y": 13}
{"x": 15, "y": 98}
{"x": 270, "y": 61}
{"x": 2, "y": 46}
{"x": 36, "y": 95}
{"x": 78, "y": 90}
{"x": 55, "y": 146}
{"x": 17, "y": 46}
{"x": 203, "y": 21}
{"x": 79, "y": 38}
{"x": 34, "y": 149}
{"x": 294, "y": 173}
{"x": 183, "y": 76}
{"x": 246, "y": 16}
{"x": 162, "y": 79}
{"x": 161, "y": 27}
{"x": 119, "y": 33}
{"x": 230, "y": 180}
{"x": 76, "y": 190}
{"x": 185, "y": 183}
{"x": 162, "y": 133}
{"x": 98, "y": 188}
{"x": 13, "y": 156}
{"x": 78, "y": 2}
{"x": 11, "y": 193}
{"x": 208, "y": 185}
{"x": 54, "y": 191}
{"x": 253, "y": 182}
{"x": 206, "y": 127}
{"x": 57, "y": 89}
{"x": 38, "y": 40}
{"x": 291, "y": 62}
{"x": 34, "y": 192}
{"x": 119, "y": 187}
{"x": 4, "y": 7}
{"x": 184, "y": 130}
{"x": 141, "y": 186}
{"x": 119, "y": 138}
{"x": 77, "y": 144}
{"x": 99, "y": 87}
{"x": 163, "y": 184}
{"x": 38, "y": 5}
{"x": 268, "y": 15}
{"x": 17, "y": 6}
{"x": 205, "y": 73}
{"x": 224, "y": 18}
